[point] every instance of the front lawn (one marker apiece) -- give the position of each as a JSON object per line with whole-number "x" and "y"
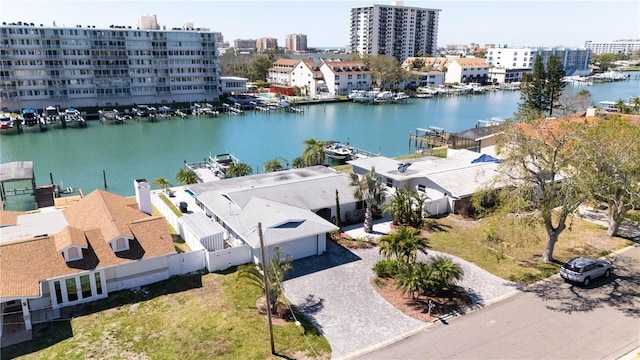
{"x": 517, "y": 256}
{"x": 186, "y": 317}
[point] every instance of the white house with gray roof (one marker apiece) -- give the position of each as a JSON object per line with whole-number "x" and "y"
{"x": 448, "y": 182}
{"x": 296, "y": 209}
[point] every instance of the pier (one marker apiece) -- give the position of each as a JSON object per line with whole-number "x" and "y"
{"x": 429, "y": 138}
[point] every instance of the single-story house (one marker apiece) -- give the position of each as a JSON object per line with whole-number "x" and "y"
{"x": 448, "y": 182}
{"x": 296, "y": 208}
{"x": 55, "y": 258}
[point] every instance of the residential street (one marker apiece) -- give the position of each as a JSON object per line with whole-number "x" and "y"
{"x": 548, "y": 320}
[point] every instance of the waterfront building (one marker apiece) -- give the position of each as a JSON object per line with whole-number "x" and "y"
{"x": 613, "y": 47}
{"x": 233, "y": 85}
{"x": 393, "y": 30}
{"x": 499, "y": 75}
{"x": 455, "y": 69}
{"x": 265, "y": 44}
{"x": 280, "y": 72}
{"x": 342, "y": 77}
{"x": 86, "y": 67}
{"x": 425, "y": 79}
{"x": 296, "y": 43}
{"x": 574, "y": 61}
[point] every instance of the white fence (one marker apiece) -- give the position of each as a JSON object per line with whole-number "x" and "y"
{"x": 224, "y": 259}
{"x": 437, "y": 206}
{"x": 166, "y": 211}
{"x": 184, "y": 263}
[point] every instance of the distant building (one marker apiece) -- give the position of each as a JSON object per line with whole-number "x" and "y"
{"x": 456, "y": 69}
{"x": 342, "y": 77}
{"x": 613, "y": 47}
{"x": 266, "y": 44}
{"x": 148, "y": 22}
{"x": 506, "y": 76}
{"x": 245, "y": 44}
{"x": 397, "y": 31}
{"x": 233, "y": 85}
{"x": 82, "y": 67}
{"x": 296, "y": 43}
{"x": 574, "y": 61}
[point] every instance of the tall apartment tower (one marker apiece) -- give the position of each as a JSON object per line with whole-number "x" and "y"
{"x": 103, "y": 67}
{"x": 296, "y": 43}
{"x": 264, "y": 44}
{"x": 394, "y": 30}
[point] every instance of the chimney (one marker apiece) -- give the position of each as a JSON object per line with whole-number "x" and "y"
{"x": 143, "y": 195}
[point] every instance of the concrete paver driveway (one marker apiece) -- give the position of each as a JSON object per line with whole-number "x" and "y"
{"x": 335, "y": 292}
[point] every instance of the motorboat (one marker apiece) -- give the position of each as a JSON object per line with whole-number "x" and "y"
{"x": 72, "y": 116}
{"x": 384, "y": 95}
{"x": 51, "y": 114}
{"x": 221, "y": 162}
{"x": 30, "y": 117}
{"x": 336, "y": 150}
{"x": 400, "y": 96}
{"x": 6, "y": 122}
{"x": 109, "y": 115}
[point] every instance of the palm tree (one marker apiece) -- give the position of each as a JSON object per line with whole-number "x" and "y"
{"x": 370, "y": 189}
{"x": 237, "y": 170}
{"x": 409, "y": 279}
{"x": 186, "y": 176}
{"x": 277, "y": 269}
{"x": 298, "y": 163}
{"x": 446, "y": 272}
{"x": 313, "y": 153}
{"x": 404, "y": 243}
{"x": 162, "y": 182}
{"x": 273, "y": 165}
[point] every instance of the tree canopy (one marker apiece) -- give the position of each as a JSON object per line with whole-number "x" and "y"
{"x": 370, "y": 189}
{"x": 541, "y": 89}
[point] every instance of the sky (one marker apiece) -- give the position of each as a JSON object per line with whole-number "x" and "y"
{"x": 326, "y": 22}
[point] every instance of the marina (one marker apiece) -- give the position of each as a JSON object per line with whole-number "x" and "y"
{"x": 110, "y": 157}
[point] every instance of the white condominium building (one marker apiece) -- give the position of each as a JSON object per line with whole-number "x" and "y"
{"x": 296, "y": 43}
{"x": 85, "y": 67}
{"x": 398, "y": 31}
{"x": 574, "y": 61}
{"x": 613, "y": 47}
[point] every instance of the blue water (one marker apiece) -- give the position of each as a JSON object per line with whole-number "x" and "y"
{"x": 142, "y": 149}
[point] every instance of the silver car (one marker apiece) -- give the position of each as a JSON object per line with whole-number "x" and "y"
{"x": 583, "y": 270}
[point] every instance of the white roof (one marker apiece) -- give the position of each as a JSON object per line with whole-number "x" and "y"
{"x": 201, "y": 225}
{"x": 31, "y": 225}
{"x": 466, "y": 181}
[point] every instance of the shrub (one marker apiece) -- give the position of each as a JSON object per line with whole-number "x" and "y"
{"x": 386, "y": 268}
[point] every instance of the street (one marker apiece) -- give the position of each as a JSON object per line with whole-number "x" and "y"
{"x": 548, "y": 320}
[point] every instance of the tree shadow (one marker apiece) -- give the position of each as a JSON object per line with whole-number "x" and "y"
{"x": 620, "y": 291}
{"x": 335, "y": 255}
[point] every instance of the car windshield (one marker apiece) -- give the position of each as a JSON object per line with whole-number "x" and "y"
{"x": 571, "y": 267}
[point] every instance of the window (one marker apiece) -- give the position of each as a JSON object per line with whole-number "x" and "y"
{"x": 98, "y": 284}
{"x": 120, "y": 244}
{"x": 72, "y": 290}
{"x": 58, "y": 291}
{"x": 85, "y": 286}
{"x": 421, "y": 188}
{"x": 389, "y": 182}
{"x": 74, "y": 253}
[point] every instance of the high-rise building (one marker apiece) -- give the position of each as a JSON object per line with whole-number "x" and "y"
{"x": 613, "y": 47}
{"x": 264, "y": 44}
{"x": 86, "y": 67}
{"x": 296, "y": 43}
{"x": 394, "y": 30}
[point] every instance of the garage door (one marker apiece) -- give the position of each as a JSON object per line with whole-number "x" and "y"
{"x": 299, "y": 249}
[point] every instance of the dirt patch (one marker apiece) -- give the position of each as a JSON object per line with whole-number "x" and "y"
{"x": 418, "y": 308}
{"x": 345, "y": 240}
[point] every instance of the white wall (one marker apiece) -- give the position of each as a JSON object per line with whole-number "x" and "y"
{"x": 184, "y": 263}
{"x": 139, "y": 273}
{"x": 224, "y": 259}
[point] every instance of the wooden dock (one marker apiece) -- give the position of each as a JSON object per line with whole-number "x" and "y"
{"x": 429, "y": 138}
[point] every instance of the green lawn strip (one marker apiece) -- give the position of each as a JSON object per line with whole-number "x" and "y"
{"x": 521, "y": 262}
{"x": 186, "y": 317}
{"x": 171, "y": 206}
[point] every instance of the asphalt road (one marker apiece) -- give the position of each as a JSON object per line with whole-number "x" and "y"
{"x": 548, "y": 320}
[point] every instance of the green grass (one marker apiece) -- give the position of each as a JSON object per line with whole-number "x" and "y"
{"x": 187, "y": 317}
{"x": 518, "y": 257}
{"x": 173, "y": 208}
{"x": 633, "y": 215}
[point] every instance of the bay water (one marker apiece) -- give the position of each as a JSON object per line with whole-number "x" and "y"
{"x": 84, "y": 157}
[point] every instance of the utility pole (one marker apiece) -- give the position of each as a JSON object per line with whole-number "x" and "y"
{"x": 266, "y": 288}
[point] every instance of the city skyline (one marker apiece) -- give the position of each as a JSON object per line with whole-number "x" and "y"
{"x": 562, "y": 23}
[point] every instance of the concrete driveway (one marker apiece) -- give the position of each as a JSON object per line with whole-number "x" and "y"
{"x": 335, "y": 292}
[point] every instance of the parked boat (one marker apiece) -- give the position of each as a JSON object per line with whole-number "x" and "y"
{"x": 51, "y": 114}
{"x": 73, "y": 116}
{"x": 7, "y": 123}
{"x": 30, "y": 118}
{"x": 400, "y": 96}
{"x": 110, "y": 116}
{"x": 337, "y": 150}
{"x": 222, "y": 162}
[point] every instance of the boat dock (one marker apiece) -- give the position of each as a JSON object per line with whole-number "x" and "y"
{"x": 429, "y": 138}
{"x": 233, "y": 110}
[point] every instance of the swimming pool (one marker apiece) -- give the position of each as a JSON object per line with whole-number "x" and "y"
{"x": 190, "y": 192}
{"x": 266, "y": 95}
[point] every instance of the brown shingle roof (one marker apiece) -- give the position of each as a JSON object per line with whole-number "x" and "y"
{"x": 9, "y": 217}
{"x": 23, "y": 264}
{"x": 70, "y": 236}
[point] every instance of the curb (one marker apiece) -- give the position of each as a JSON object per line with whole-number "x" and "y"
{"x": 631, "y": 355}
{"x": 469, "y": 309}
